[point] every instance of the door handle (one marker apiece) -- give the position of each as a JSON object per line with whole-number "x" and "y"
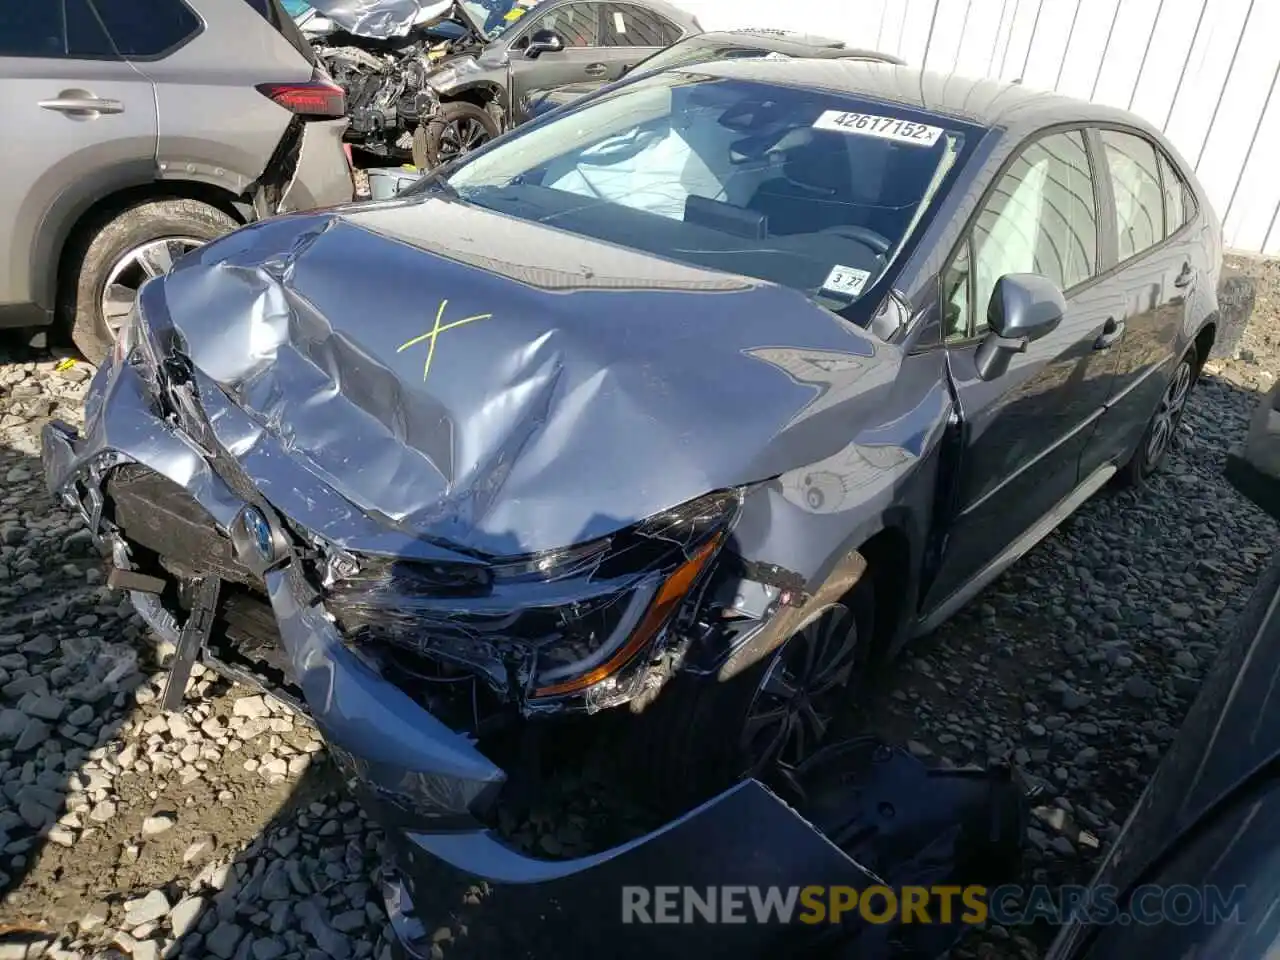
{"x": 82, "y": 105}
{"x": 1112, "y": 331}
{"x": 596, "y": 70}
{"x": 1185, "y": 276}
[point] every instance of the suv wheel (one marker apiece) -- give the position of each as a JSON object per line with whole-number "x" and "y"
{"x": 115, "y": 257}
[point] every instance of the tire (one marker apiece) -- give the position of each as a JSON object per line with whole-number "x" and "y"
{"x": 103, "y": 247}
{"x": 693, "y": 742}
{"x": 1151, "y": 454}
{"x": 433, "y": 143}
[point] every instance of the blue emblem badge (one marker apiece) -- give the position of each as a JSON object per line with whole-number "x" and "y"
{"x": 255, "y": 524}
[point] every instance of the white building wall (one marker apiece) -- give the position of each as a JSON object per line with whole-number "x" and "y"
{"x": 1204, "y": 72}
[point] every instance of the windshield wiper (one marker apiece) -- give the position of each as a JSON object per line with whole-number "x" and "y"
{"x": 432, "y": 183}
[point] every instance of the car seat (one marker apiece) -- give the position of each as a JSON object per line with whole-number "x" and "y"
{"x": 815, "y": 191}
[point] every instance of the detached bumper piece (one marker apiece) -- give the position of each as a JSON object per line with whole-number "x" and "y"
{"x": 1254, "y": 470}
{"x": 212, "y": 567}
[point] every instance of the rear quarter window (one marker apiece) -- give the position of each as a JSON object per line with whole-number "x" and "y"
{"x": 148, "y": 29}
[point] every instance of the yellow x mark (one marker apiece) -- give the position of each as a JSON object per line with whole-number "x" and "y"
{"x": 435, "y": 331}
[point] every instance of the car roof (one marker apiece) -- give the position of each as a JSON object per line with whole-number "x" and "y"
{"x": 980, "y": 102}
{"x": 669, "y": 10}
{"x": 791, "y": 42}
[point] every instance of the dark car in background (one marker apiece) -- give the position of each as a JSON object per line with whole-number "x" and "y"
{"x": 135, "y": 137}
{"x": 684, "y": 406}
{"x": 702, "y": 48}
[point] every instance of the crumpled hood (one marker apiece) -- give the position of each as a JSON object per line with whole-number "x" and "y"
{"x": 382, "y": 19}
{"x": 504, "y": 386}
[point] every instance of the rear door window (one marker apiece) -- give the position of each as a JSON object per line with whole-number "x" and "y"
{"x": 148, "y": 29}
{"x": 1135, "y": 181}
{"x": 626, "y": 25}
{"x": 58, "y": 29}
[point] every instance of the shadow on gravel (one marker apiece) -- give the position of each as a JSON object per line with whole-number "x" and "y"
{"x": 1081, "y": 661}
{"x": 126, "y": 831}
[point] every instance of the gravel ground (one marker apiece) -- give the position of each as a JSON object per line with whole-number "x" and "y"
{"x": 224, "y": 833}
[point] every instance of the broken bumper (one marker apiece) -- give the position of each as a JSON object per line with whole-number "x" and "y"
{"x": 323, "y": 175}
{"x": 426, "y": 783}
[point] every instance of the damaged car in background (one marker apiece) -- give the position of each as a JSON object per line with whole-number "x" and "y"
{"x": 672, "y": 414}
{"x": 704, "y": 48}
{"x": 429, "y": 81}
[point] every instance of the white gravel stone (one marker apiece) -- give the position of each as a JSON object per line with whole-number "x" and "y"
{"x": 157, "y": 824}
{"x": 253, "y": 707}
{"x": 145, "y": 909}
{"x": 185, "y": 914}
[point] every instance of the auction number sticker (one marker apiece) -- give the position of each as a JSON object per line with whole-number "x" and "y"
{"x": 846, "y": 281}
{"x": 886, "y": 128}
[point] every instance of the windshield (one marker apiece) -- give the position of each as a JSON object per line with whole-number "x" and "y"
{"x": 494, "y": 17}
{"x": 808, "y": 189}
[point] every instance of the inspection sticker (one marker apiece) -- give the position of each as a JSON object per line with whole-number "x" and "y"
{"x": 887, "y": 128}
{"x": 846, "y": 281}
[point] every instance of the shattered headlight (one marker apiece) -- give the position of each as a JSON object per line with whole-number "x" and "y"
{"x": 673, "y": 549}
{"x": 551, "y": 625}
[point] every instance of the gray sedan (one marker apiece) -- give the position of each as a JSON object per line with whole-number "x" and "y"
{"x": 668, "y": 416}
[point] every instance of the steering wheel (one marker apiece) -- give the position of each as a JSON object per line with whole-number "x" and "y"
{"x": 868, "y": 238}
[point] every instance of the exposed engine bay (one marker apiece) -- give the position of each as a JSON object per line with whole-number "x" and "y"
{"x": 382, "y": 53}
{"x": 387, "y": 94}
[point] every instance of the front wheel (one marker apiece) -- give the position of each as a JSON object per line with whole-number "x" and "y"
{"x": 1162, "y": 429}
{"x": 706, "y": 733}
{"x": 457, "y": 129}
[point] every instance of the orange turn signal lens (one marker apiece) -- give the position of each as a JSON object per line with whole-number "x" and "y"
{"x": 661, "y": 608}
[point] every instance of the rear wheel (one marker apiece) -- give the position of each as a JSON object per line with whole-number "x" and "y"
{"x": 458, "y": 128}
{"x": 114, "y": 257}
{"x": 1162, "y": 429}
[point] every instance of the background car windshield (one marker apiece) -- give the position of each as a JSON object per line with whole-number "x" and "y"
{"x": 803, "y": 188}
{"x": 695, "y": 50}
{"x": 493, "y": 17}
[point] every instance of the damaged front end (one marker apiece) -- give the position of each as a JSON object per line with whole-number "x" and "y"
{"x": 290, "y": 495}
{"x": 394, "y": 60}
{"x": 390, "y": 652}
{"x": 578, "y": 629}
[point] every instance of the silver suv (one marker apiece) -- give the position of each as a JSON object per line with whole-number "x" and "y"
{"x": 140, "y": 129}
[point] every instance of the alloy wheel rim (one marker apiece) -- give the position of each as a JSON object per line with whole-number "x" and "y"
{"x": 1168, "y": 414}
{"x": 461, "y": 136}
{"x": 795, "y": 702}
{"x": 154, "y": 258}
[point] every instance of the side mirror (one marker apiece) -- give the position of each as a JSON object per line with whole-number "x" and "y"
{"x": 543, "y": 41}
{"x": 1024, "y": 307}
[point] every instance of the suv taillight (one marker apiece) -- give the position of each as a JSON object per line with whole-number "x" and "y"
{"x": 318, "y": 97}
